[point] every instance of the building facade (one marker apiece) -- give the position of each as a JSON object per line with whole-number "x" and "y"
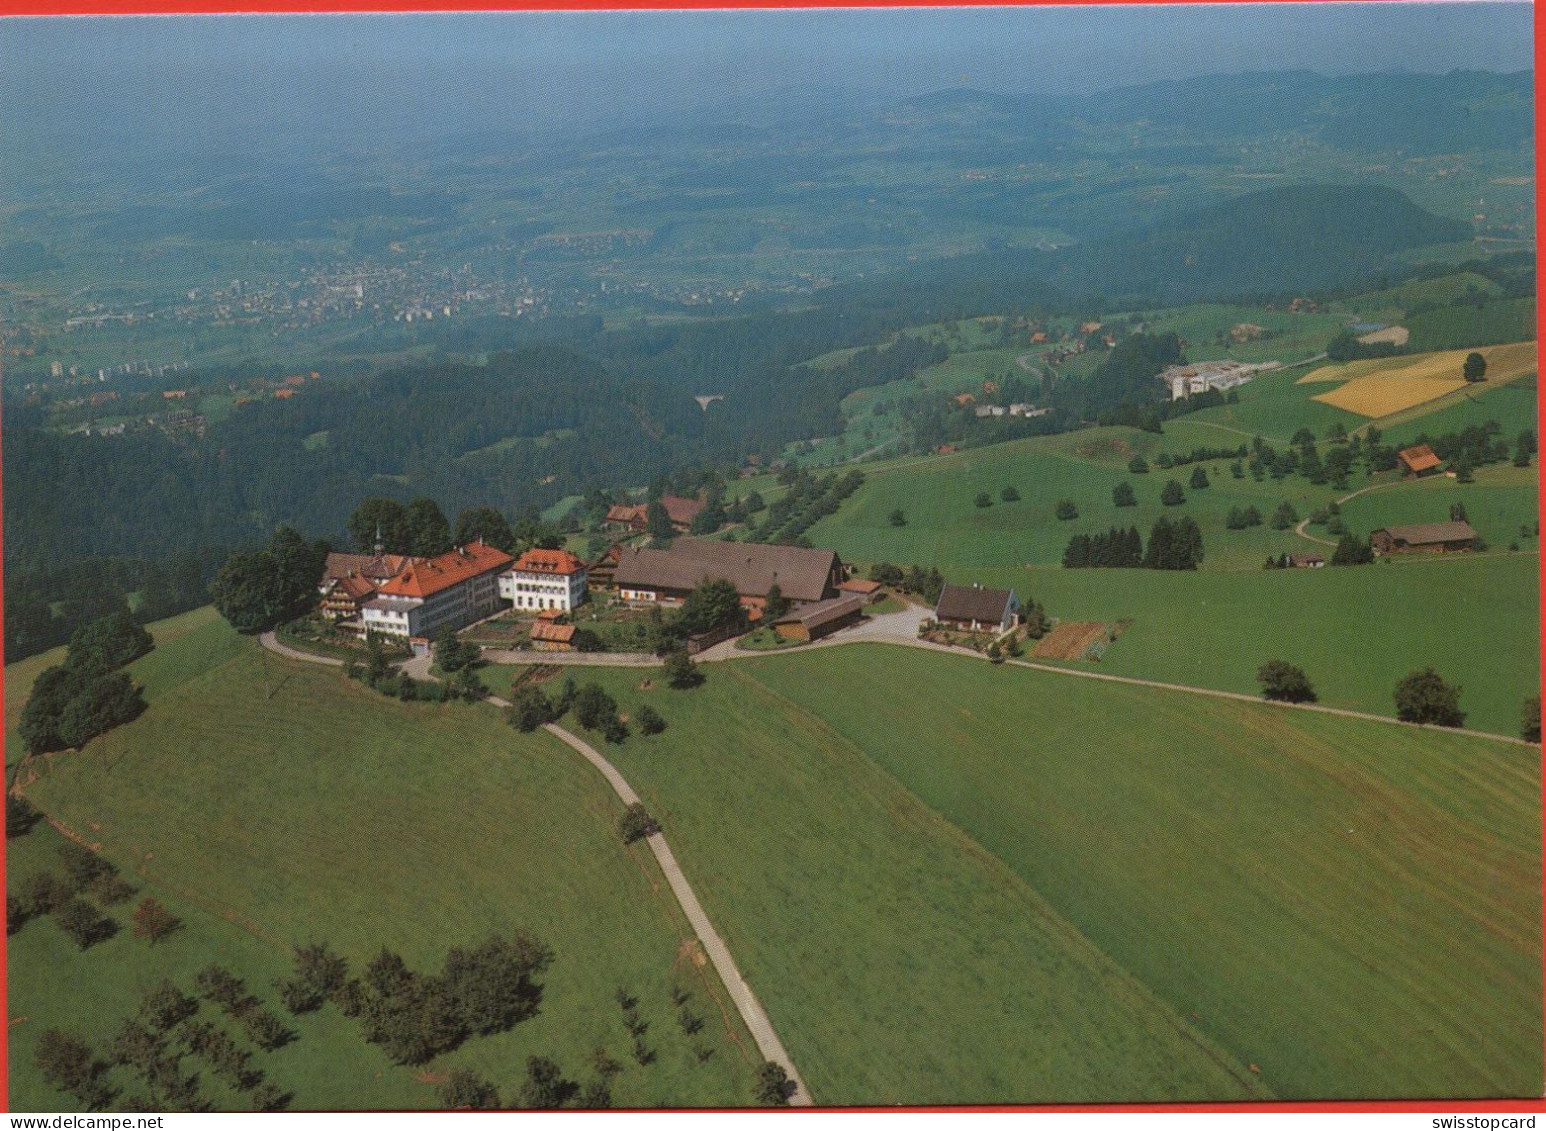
{"x": 544, "y": 579}
{"x": 454, "y": 589}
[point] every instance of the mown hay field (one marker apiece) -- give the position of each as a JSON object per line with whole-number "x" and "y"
{"x": 1390, "y": 385}
{"x": 1351, "y": 907}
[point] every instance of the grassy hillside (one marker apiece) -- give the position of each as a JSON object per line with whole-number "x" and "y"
{"x": 1351, "y": 907}
{"x": 273, "y": 803}
{"x": 1355, "y": 631}
{"x": 1502, "y": 500}
{"x": 944, "y": 526}
{"x": 901, "y": 962}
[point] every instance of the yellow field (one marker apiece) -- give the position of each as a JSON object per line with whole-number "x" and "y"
{"x": 1389, "y": 385}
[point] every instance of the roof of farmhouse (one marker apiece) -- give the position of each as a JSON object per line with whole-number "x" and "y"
{"x": 972, "y": 602}
{"x": 801, "y": 575}
{"x": 1427, "y": 533}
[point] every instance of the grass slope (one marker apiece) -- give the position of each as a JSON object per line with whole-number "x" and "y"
{"x": 1502, "y": 500}
{"x": 1355, "y": 631}
{"x": 1353, "y": 907}
{"x": 900, "y": 962}
{"x": 330, "y": 813}
{"x": 945, "y": 528}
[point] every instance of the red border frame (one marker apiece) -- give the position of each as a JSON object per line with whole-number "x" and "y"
{"x": 21, "y": 8}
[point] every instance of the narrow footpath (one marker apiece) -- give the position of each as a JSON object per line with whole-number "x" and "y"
{"x": 757, "y": 1021}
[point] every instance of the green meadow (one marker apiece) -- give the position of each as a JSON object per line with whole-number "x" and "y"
{"x": 273, "y": 803}
{"x": 1340, "y": 908}
{"x": 1355, "y": 631}
{"x": 944, "y": 527}
{"x": 1501, "y": 502}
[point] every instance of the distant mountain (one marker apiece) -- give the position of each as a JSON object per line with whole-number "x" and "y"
{"x": 1292, "y": 238}
{"x": 1420, "y": 114}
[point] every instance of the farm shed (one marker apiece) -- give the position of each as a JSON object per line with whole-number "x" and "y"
{"x": 1418, "y": 462}
{"x": 818, "y": 620}
{"x": 863, "y": 587}
{"x": 977, "y": 609}
{"x": 546, "y": 637}
{"x": 1306, "y": 560}
{"x": 1425, "y": 538}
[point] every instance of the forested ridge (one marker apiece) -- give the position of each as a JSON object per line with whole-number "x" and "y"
{"x": 610, "y": 408}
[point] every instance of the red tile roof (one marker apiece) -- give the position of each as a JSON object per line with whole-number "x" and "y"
{"x": 549, "y": 561}
{"x": 424, "y": 579}
{"x": 680, "y": 510}
{"x": 553, "y": 633}
{"x": 859, "y": 585}
{"x": 619, "y": 512}
{"x": 1420, "y": 458}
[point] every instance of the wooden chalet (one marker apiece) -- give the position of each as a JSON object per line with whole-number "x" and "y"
{"x": 601, "y": 572}
{"x": 1418, "y": 462}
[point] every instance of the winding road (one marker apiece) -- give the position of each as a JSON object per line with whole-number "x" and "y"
{"x": 1304, "y": 522}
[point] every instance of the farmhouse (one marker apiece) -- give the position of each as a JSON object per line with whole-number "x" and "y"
{"x": 635, "y": 517}
{"x": 668, "y": 576}
{"x": 1310, "y": 560}
{"x": 1418, "y": 462}
{"x": 454, "y": 589}
{"x": 1425, "y": 538}
{"x": 600, "y": 573}
{"x": 821, "y": 619}
{"x": 681, "y": 511}
{"x": 977, "y": 609}
{"x": 544, "y": 579}
{"x": 623, "y": 517}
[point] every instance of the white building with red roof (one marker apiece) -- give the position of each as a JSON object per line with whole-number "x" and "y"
{"x": 454, "y": 589}
{"x": 544, "y": 579}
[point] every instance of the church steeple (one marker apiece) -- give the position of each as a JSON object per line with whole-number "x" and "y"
{"x": 380, "y": 549}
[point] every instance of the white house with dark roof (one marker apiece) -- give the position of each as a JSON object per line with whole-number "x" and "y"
{"x": 976, "y": 609}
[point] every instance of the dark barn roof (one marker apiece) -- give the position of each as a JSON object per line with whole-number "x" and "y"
{"x": 801, "y": 575}
{"x": 824, "y": 612}
{"x": 972, "y": 602}
{"x": 1429, "y": 533}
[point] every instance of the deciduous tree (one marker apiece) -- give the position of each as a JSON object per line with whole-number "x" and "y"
{"x": 1424, "y": 697}
{"x": 1285, "y": 683}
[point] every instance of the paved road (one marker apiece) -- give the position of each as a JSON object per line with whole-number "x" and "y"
{"x": 757, "y": 1021}
{"x": 271, "y": 642}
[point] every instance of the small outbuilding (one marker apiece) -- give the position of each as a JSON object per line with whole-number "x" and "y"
{"x": 1419, "y": 462}
{"x": 976, "y": 609}
{"x": 821, "y": 619}
{"x": 549, "y": 637}
{"x": 871, "y": 591}
{"x": 1309, "y": 560}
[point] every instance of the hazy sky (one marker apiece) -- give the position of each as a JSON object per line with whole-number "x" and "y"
{"x": 540, "y": 65}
